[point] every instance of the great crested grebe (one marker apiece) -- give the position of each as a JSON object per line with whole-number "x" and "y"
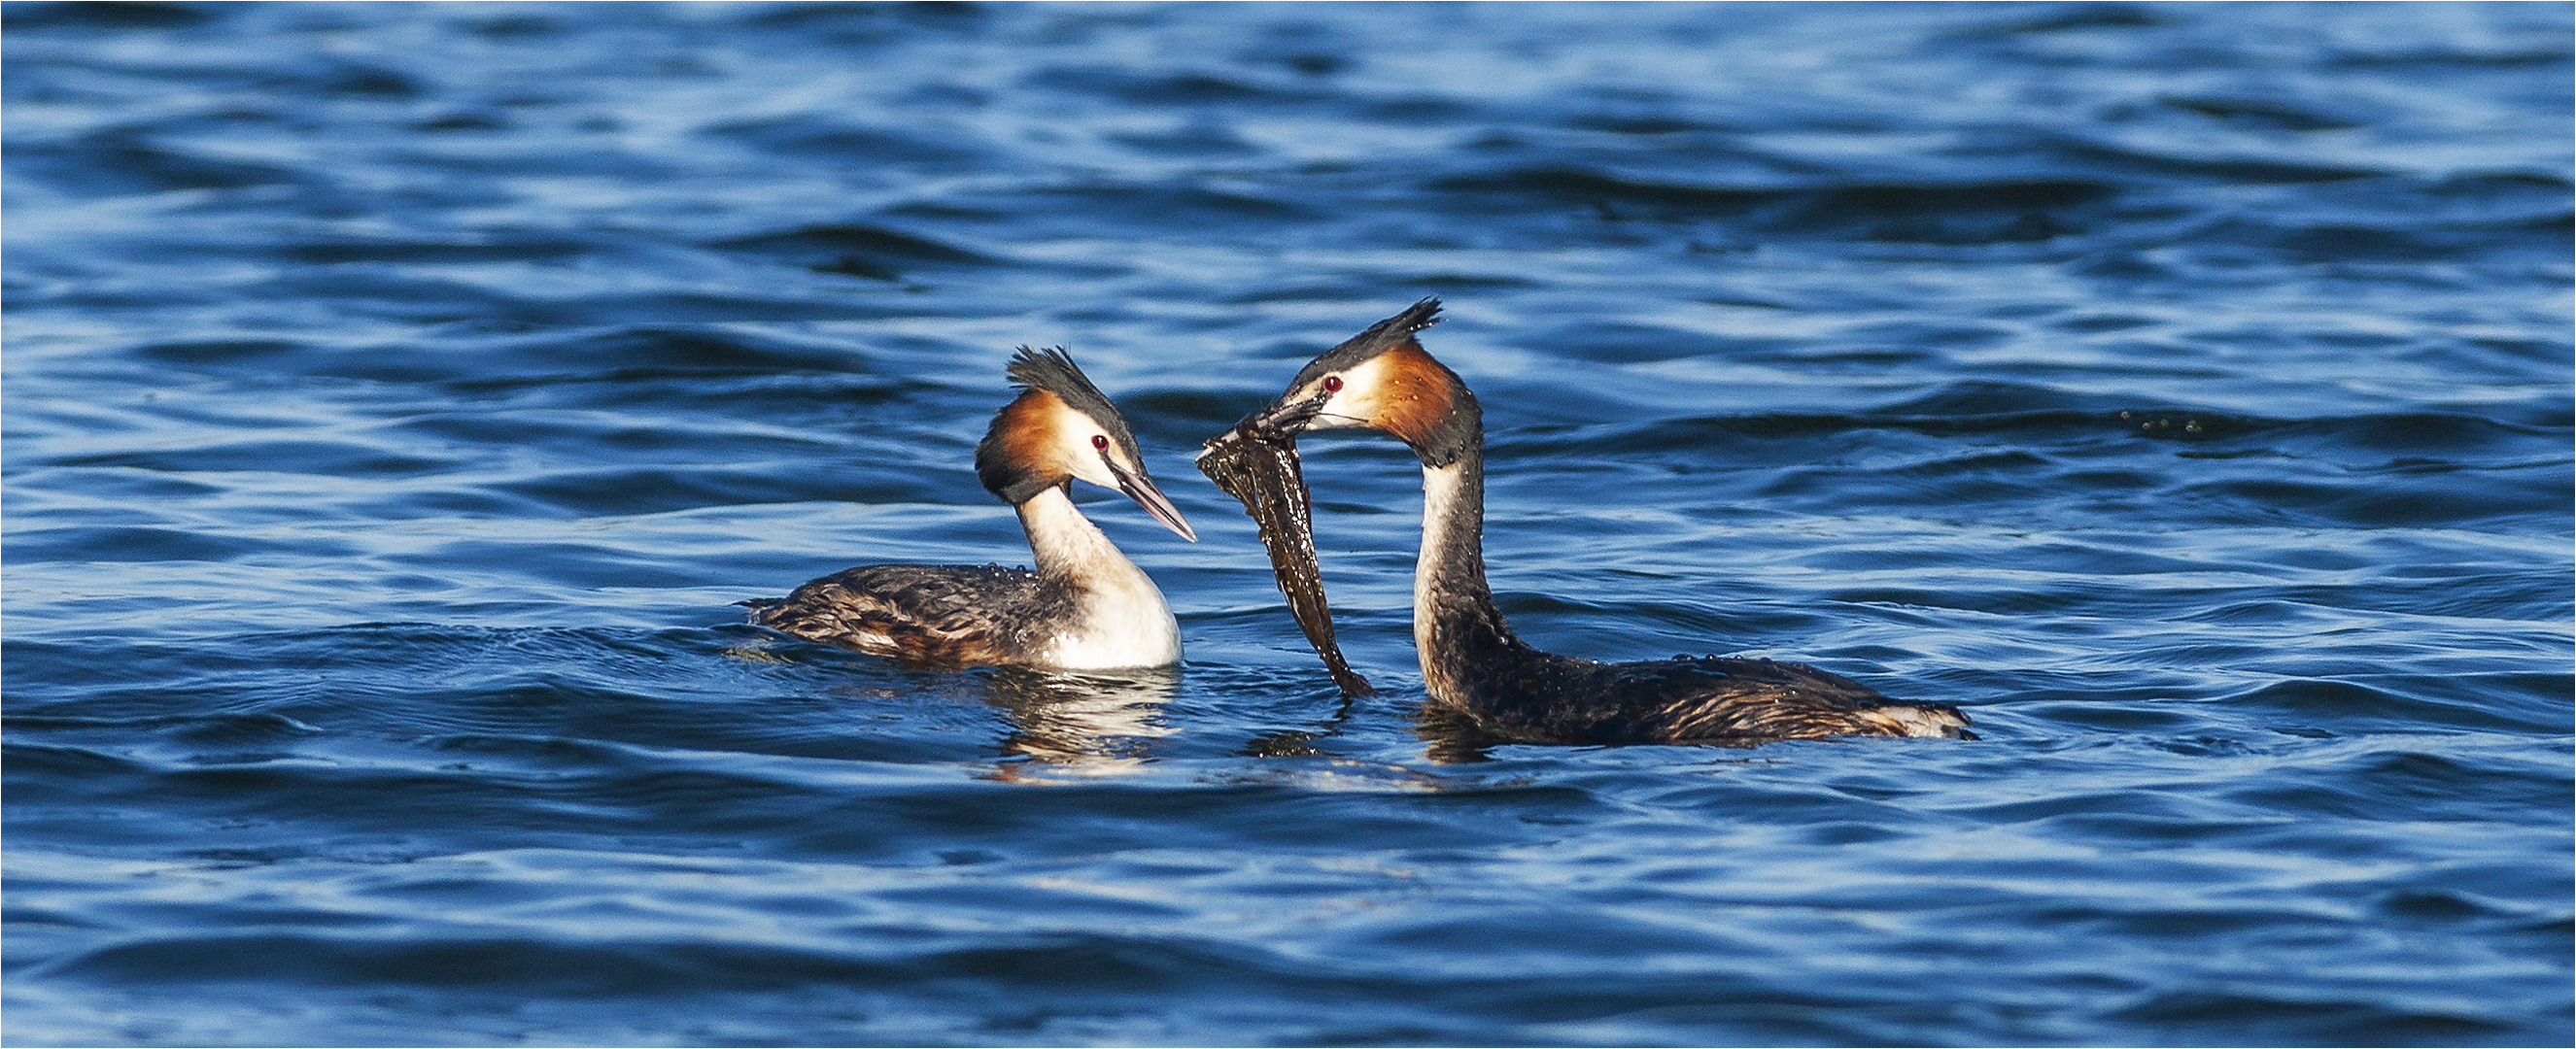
{"x": 1086, "y": 607}
{"x": 1472, "y": 665}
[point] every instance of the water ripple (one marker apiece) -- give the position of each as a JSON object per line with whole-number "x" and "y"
{"x": 400, "y": 398}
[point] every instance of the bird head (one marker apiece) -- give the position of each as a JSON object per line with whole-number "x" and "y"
{"x": 1061, "y": 429}
{"x": 1383, "y": 380}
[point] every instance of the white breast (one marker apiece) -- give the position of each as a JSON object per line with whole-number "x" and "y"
{"x": 1123, "y": 624}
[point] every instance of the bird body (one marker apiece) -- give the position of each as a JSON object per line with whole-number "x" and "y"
{"x": 1084, "y": 607}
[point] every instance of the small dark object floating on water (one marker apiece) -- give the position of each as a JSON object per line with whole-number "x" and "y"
{"x": 1086, "y": 607}
{"x": 1472, "y": 664}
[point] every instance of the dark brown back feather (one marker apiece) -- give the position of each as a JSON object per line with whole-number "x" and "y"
{"x": 922, "y": 615}
{"x": 1543, "y": 697}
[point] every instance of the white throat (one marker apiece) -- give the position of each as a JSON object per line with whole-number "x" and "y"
{"x": 1120, "y": 618}
{"x": 1443, "y": 487}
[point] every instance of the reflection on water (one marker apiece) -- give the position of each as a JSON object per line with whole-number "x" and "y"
{"x": 1301, "y": 743}
{"x": 1451, "y": 738}
{"x": 1100, "y": 722}
{"x": 1094, "y": 723}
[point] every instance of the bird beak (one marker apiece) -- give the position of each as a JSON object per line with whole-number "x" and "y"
{"x": 1284, "y": 418}
{"x": 1141, "y": 488}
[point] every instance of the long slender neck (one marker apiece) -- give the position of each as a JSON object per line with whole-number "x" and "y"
{"x": 1067, "y": 545}
{"x": 1117, "y": 617}
{"x": 1455, "y": 624}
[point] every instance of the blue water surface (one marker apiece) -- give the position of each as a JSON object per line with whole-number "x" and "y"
{"x": 398, "y": 397}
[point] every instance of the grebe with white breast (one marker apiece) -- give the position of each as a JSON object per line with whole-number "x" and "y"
{"x": 1085, "y": 607}
{"x": 1472, "y": 664}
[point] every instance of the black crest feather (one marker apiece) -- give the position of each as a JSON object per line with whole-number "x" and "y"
{"x": 1380, "y": 337}
{"x": 1053, "y": 370}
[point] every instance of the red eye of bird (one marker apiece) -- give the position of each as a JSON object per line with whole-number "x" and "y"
{"x": 1332, "y": 384}
{"x": 1098, "y": 441}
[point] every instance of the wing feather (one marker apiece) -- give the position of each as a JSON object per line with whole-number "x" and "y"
{"x": 933, "y": 615}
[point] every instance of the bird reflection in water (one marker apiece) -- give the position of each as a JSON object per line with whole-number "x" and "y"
{"x": 1088, "y": 724}
{"x": 1448, "y": 738}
